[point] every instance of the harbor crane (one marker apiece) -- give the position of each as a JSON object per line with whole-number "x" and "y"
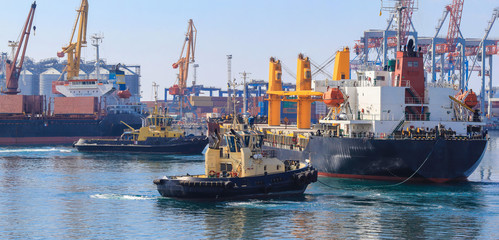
{"x": 179, "y": 91}
{"x": 13, "y": 71}
{"x": 74, "y": 48}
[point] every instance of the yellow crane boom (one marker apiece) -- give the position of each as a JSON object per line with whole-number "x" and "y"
{"x": 73, "y": 50}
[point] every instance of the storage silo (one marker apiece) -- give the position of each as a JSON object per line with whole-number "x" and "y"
{"x": 25, "y": 84}
{"x": 81, "y": 75}
{"x": 132, "y": 81}
{"x": 104, "y": 74}
{"x": 46, "y": 79}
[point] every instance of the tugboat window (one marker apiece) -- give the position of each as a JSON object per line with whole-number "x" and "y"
{"x": 232, "y": 145}
{"x": 225, "y": 167}
{"x": 246, "y": 140}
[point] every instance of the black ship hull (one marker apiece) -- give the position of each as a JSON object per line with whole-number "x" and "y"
{"x": 56, "y": 130}
{"x": 182, "y": 145}
{"x": 435, "y": 160}
{"x": 290, "y": 183}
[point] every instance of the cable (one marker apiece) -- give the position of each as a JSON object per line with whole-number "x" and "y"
{"x": 390, "y": 185}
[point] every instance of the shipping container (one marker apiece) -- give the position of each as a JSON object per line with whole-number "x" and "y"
{"x": 11, "y": 104}
{"x": 75, "y": 105}
{"x": 20, "y": 104}
{"x": 201, "y": 103}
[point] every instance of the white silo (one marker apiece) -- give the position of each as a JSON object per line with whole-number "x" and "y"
{"x": 25, "y": 84}
{"x": 132, "y": 81}
{"x": 81, "y": 75}
{"x": 46, "y": 79}
{"x": 103, "y": 76}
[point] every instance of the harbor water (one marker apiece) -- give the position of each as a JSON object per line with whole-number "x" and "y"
{"x": 55, "y": 192}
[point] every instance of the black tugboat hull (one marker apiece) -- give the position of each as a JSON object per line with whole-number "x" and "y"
{"x": 437, "y": 160}
{"x": 187, "y": 145}
{"x": 290, "y": 183}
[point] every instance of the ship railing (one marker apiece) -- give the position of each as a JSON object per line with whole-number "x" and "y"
{"x": 269, "y": 153}
{"x": 385, "y": 116}
{"x": 417, "y": 117}
{"x": 404, "y": 83}
{"x": 355, "y": 83}
{"x": 424, "y": 135}
{"x": 416, "y": 100}
{"x": 368, "y": 67}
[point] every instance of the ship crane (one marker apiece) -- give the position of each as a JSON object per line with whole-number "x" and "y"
{"x": 182, "y": 64}
{"x": 13, "y": 71}
{"x": 74, "y": 48}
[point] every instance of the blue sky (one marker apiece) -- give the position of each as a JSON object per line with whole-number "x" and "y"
{"x": 150, "y": 32}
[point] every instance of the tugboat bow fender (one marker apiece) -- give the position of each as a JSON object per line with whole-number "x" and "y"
{"x": 160, "y": 181}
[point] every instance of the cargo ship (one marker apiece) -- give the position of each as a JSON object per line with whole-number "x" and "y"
{"x": 24, "y": 120}
{"x": 78, "y": 110}
{"x": 387, "y": 124}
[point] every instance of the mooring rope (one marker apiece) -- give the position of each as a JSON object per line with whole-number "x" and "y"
{"x": 396, "y": 184}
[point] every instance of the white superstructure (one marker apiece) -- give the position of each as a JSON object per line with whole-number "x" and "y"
{"x": 84, "y": 88}
{"x": 379, "y": 109}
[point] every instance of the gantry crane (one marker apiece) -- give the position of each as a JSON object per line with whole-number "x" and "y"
{"x": 456, "y": 11}
{"x": 391, "y": 38}
{"x": 13, "y": 71}
{"x": 74, "y": 48}
{"x": 183, "y": 64}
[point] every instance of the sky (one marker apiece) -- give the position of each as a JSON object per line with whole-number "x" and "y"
{"x": 150, "y": 33}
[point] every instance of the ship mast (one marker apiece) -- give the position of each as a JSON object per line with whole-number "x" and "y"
{"x": 96, "y": 39}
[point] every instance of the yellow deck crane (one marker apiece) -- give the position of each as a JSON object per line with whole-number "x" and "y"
{"x": 183, "y": 64}
{"x": 275, "y": 92}
{"x": 73, "y": 50}
{"x": 304, "y": 96}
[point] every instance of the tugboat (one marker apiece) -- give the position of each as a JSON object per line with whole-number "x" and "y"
{"x": 240, "y": 170}
{"x": 157, "y": 135}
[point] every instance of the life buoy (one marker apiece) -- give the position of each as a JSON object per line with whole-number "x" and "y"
{"x": 211, "y": 173}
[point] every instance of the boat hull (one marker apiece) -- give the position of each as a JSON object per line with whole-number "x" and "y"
{"x": 435, "y": 160}
{"x": 290, "y": 183}
{"x": 184, "y": 145}
{"x": 63, "y": 130}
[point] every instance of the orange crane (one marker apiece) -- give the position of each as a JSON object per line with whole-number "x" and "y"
{"x": 183, "y": 63}
{"x": 13, "y": 71}
{"x": 74, "y": 48}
